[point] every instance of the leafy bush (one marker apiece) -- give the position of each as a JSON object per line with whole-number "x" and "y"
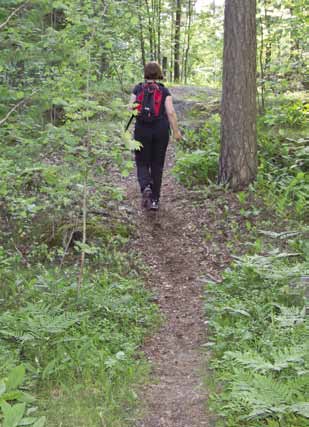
{"x": 205, "y": 138}
{"x": 282, "y": 180}
{"x": 257, "y": 331}
{"x": 197, "y": 160}
{"x": 196, "y": 168}
{"x": 291, "y": 114}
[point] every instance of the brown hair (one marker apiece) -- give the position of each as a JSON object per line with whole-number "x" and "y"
{"x": 153, "y": 71}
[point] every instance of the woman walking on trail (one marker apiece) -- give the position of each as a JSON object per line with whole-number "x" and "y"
{"x": 155, "y": 117}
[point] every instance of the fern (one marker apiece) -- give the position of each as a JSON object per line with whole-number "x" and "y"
{"x": 289, "y": 357}
{"x": 262, "y": 360}
{"x": 265, "y": 396}
{"x": 250, "y": 360}
{"x": 281, "y": 359}
{"x": 291, "y": 316}
{"x": 301, "y": 408}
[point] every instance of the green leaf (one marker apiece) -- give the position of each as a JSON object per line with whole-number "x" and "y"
{"x": 108, "y": 44}
{"x": 26, "y": 397}
{"x": 5, "y": 407}
{"x": 301, "y": 408}
{"x": 12, "y": 395}
{"x": 13, "y": 414}
{"x": 40, "y": 422}
{"x": 28, "y": 421}
{"x": 2, "y": 389}
{"x": 16, "y": 377}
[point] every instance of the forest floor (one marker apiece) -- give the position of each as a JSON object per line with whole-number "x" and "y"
{"x": 182, "y": 245}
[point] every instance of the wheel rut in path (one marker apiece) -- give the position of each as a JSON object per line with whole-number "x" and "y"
{"x": 170, "y": 244}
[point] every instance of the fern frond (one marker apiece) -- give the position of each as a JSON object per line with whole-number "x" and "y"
{"x": 249, "y": 359}
{"x": 291, "y": 316}
{"x": 301, "y": 408}
{"x": 288, "y": 357}
{"x": 281, "y": 359}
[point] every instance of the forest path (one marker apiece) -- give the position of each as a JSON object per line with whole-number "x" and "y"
{"x": 172, "y": 245}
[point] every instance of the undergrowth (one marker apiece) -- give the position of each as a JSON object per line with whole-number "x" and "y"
{"x": 259, "y": 353}
{"x": 257, "y": 315}
{"x": 75, "y": 346}
{"x": 72, "y": 330}
{"x": 282, "y": 182}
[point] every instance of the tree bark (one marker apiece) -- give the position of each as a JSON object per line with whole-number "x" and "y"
{"x": 238, "y": 157}
{"x": 177, "y": 42}
{"x": 172, "y": 45}
{"x": 141, "y": 34}
{"x": 150, "y": 30}
{"x": 262, "y": 69}
{"x": 159, "y": 29}
{"x": 186, "y": 59}
{"x": 164, "y": 66}
{"x": 154, "y": 29}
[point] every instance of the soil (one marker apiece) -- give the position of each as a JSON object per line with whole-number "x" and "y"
{"x": 182, "y": 245}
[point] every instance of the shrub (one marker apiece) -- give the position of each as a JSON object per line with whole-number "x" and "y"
{"x": 291, "y": 114}
{"x": 197, "y": 160}
{"x": 196, "y": 168}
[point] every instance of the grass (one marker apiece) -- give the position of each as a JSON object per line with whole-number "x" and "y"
{"x": 108, "y": 402}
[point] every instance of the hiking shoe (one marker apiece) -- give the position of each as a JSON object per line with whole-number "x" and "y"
{"x": 154, "y": 206}
{"x": 146, "y": 197}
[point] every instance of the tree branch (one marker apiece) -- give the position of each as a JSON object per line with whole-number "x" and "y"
{"x": 2, "y": 121}
{"x": 12, "y": 14}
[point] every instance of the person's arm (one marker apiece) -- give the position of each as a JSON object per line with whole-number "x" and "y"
{"x": 172, "y": 118}
{"x": 132, "y": 100}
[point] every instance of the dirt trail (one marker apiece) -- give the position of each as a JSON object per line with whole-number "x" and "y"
{"x": 171, "y": 244}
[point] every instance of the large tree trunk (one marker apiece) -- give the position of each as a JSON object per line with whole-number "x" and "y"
{"x": 238, "y": 159}
{"x": 177, "y": 42}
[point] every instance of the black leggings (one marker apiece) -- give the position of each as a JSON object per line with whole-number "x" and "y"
{"x": 150, "y": 159}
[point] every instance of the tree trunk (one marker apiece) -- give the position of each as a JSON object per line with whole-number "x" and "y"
{"x": 141, "y": 34}
{"x": 238, "y": 158}
{"x": 154, "y": 28}
{"x": 164, "y": 66}
{"x": 186, "y": 59}
{"x": 150, "y": 30}
{"x": 172, "y": 45}
{"x": 262, "y": 69}
{"x": 159, "y": 30}
{"x": 177, "y": 42}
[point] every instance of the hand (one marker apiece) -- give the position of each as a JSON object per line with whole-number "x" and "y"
{"x": 177, "y": 136}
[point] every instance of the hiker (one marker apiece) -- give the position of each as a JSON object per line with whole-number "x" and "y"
{"x": 156, "y": 115}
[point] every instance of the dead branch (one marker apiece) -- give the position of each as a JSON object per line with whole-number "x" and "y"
{"x": 12, "y": 14}
{"x": 2, "y": 121}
